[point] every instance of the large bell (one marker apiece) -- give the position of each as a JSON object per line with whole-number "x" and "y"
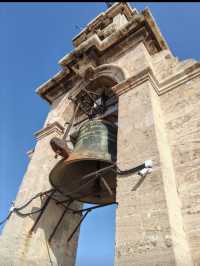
{"x": 95, "y": 148}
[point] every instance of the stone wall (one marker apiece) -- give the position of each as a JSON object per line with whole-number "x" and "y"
{"x": 157, "y": 219}
{"x": 20, "y": 248}
{"x": 149, "y": 225}
{"x": 181, "y": 107}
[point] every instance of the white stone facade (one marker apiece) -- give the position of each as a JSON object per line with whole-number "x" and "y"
{"x": 157, "y": 219}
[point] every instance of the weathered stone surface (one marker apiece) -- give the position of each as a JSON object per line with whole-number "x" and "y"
{"x": 149, "y": 226}
{"x": 181, "y": 107}
{"x": 18, "y": 246}
{"x": 157, "y": 219}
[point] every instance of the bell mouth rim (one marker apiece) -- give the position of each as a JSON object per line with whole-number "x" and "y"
{"x": 73, "y": 161}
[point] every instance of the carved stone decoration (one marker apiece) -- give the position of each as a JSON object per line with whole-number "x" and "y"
{"x": 89, "y": 74}
{"x": 105, "y": 33}
{"x": 112, "y": 72}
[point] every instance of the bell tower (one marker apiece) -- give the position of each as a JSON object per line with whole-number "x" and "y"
{"x": 121, "y": 98}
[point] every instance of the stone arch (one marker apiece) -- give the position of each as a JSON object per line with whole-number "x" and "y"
{"x": 105, "y": 72}
{"x": 113, "y": 71}
{"x": 98, "y": 81}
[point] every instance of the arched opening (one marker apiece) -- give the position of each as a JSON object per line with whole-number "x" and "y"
{"x": 96, "y": 108}
{"x": 94, "y": 136}
{"x": 99, "y": 92}
{"x": 97, "y": 233}
{"x": 96, "y": 244}
{"x": 98, "y": 82}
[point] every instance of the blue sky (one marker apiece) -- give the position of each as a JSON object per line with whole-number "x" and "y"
{"x": 34, "y": 36}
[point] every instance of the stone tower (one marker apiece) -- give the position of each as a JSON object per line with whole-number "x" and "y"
{"x": 157, "y": 112}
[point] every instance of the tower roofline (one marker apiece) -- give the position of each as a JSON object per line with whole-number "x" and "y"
{"x": 117, "y": 8}
{"x": 107, "y": 30}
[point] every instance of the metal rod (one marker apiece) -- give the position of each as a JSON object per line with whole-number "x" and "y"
{"x": 59, "y": 221}
{"x": 80, "y": 106}
{"x": 88, "y": 93}
{"x": 78, "y": 225}
{"x": 102, "y": 116}
{"x": 87, "y": 210}
{"x": 42, "y": 211}
{"x": 105, "y": 183}
{"x": 27, "y": 213}
{"x": 95, "y": 207}
{"x": 84, "y": 111}
{"x": 34, "y": 197}
{"x": 130, "y": 171}
{"x": 74, "y": 198}
{"x": 61, "y": 203}
{"x": 17, "y": 209}
{"x": 71, "y": 122}
{"x": 98, "y": 171}
{"x": 93, "y": 175}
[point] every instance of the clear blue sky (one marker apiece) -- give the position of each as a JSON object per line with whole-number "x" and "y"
{"x": 34, "y": 36}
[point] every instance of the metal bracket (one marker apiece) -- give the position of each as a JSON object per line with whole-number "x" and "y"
{"x": 87, "y": 210}
{"x": 142, "y": 170}
{"x": 60, "y": 220}
{"x": 42, "y": 211}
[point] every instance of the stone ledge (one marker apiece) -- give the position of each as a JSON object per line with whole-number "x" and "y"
{"x": 43, "y": 89}
{"x": 120, "y": 7}
{"x": 160, "y": 87}
{"x": 49, "y": 129}
{"x": 94, "y": 41}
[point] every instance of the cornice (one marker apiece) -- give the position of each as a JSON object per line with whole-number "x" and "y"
{"x": 180, "y": 78}
{"x": 161, "y": 87}
{"x": 101, "y": 45}
{"x": 137, "y": 21}
{"x": 119, "y": 7}
{"x": 89, "y": 49}
{"x": 55, "y": 127}
{"x": 47, "y": 86}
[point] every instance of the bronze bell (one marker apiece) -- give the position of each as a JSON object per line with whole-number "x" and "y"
{"x": 80, "y": 176}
